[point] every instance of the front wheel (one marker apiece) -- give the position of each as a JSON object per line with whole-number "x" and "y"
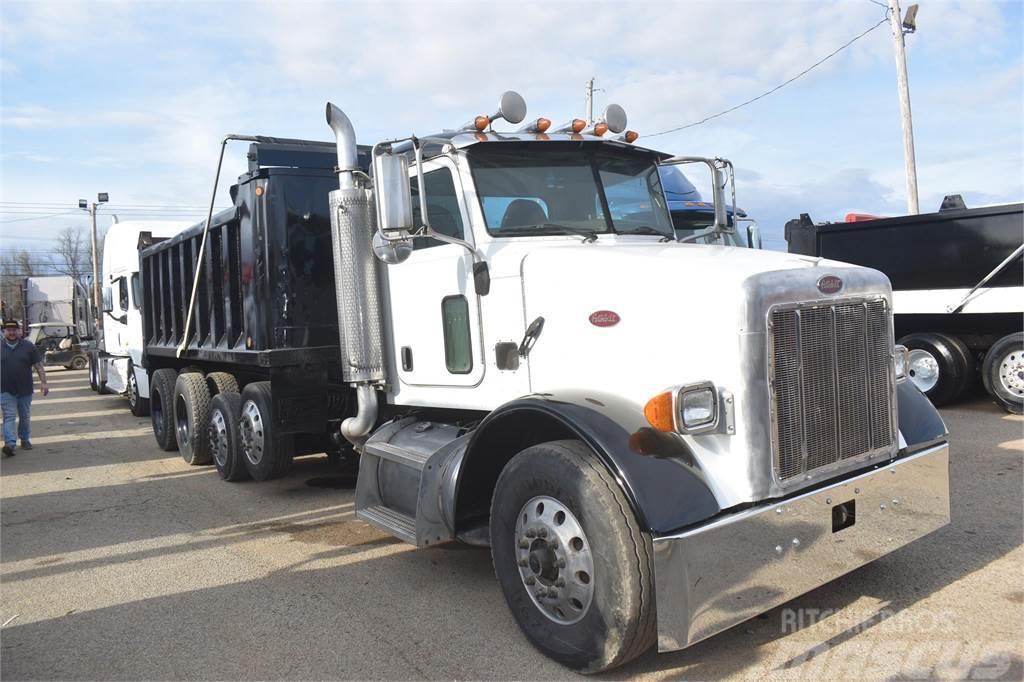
{"x": 575, "y": 567}
{"x": 136, "y": 403}
{"x": 78, "y": 362}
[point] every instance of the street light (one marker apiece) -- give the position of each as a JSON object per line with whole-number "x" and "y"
{"x": 101, "y": 198}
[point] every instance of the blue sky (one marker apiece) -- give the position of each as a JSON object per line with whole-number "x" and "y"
{"x": 132, "y": 98}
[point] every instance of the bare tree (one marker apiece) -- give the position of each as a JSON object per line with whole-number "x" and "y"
{"x": 15, "y": 266}
{"x": 72, "y": 255}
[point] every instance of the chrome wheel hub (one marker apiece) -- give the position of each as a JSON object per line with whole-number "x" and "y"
{"x": 1011, "y": 372}
{"x": 555, "y": 561}
{"x": 251, "y": 427}
{"x": 219, "y": 438}
{"x": 923, "y": 369}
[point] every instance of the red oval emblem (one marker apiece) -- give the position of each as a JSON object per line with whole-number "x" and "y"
{"x": 830, "y": 284}
{"x": 604, "y": 318}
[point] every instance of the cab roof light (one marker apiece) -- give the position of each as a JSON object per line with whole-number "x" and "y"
{"x": 539, "y": 125}
{"x": 630, "y": 136}
{"x": 659, "y": 411}
{"x": 574, "y": 126}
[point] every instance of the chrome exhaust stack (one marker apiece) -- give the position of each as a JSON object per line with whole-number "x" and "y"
{"x": 356, "y": 281}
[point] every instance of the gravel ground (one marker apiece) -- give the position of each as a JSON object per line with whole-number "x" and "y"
{"x": 119, "y": 561}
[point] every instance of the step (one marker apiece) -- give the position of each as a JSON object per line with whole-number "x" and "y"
{"x": 394, "y": 453}
{"x": 402, "y": 526}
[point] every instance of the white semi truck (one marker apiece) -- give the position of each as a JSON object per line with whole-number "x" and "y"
{"x": 114, "y": 361}
{"x": 656, "y": 439}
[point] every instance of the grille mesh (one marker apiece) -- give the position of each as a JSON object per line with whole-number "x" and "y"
{"x": 830, "y": 384}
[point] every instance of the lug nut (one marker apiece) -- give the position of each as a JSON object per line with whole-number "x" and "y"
{"x": 561, "y": 563}
{"x": 524, "y": 562}
{"x": 560, "y": 582}
{"x": 530, "y": 580}
{"x": 553, "y": 543}
{"x": 542, "y": 533}
{"x": 552, "y": 592}
{"x": 523, "y": 544}
{"x": 531, "y": 533}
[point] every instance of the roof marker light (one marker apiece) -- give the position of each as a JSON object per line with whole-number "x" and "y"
{"x": 539, "y": 125}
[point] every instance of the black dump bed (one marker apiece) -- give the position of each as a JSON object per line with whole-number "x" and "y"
{"x": 266, "y": 287}
{"x": 953, "y": 248}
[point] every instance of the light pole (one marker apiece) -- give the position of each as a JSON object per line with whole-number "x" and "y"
{"x": 101, "y": 198}
{"x": 899, "y": 27}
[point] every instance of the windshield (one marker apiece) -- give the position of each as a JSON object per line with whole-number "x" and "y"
{"x": 568, "y": 188}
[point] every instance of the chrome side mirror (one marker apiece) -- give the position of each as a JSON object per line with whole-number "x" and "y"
{"x": 718, "y": 192}
{"x": 393, "y": 192}
{"x": 754, "y": 236}
{"x": 391, "y": 251}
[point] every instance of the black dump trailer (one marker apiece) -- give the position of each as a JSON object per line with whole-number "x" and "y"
{"x": 260, "y": 359}
{"x": 958, "y": 290}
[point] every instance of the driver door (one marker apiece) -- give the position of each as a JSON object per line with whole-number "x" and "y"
{"x": 435, "y": 314}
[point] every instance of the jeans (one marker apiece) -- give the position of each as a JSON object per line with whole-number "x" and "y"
{"x": 20, "y": 405}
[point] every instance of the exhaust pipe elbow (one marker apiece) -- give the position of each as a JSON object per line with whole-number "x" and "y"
{"x": 355, "y": 429}
{"x": 345, "y": 137}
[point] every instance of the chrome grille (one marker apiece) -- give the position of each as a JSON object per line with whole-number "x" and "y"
{"x": 831, "y": 384}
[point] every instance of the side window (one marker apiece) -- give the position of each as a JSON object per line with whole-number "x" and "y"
{"x": 442, "y": 207}
{"x": 122, "y": 294}
{"x": 136, "y": 291}
{"x": 458, "y": 349}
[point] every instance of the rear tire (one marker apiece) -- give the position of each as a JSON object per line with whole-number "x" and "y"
{"x": 161, "y": 408}
{"x": 191, "y": 417}
{"x": 223, "y": 436}
{"x": 267, "y": 455}
{"x": 598, "y": 610}
{"x": 137, "y": 404}
{"x": 1003, "y": 372}
{"x": 940, "y": 365}
{"x": 221, "y": 382}
{"x": 79, "y": 362}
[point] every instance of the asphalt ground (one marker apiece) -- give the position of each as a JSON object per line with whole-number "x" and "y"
{"x": 119, "y": 561}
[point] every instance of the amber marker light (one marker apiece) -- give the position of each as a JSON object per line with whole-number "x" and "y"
{"x": 631, "y": 136}
{"x": 658, "y": 412}
{"x": 600, "y": 129}
{"x": 542, "y": 125}
{"x": 578, "y": 124}
{"x": 481, "y": 123}
{"x": 259, "y": 191}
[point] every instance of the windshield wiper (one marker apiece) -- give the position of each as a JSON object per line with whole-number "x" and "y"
{"x": 548, "y": 228}
{"x": 647, "y": 229}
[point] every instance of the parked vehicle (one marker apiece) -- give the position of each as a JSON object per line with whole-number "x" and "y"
{"x": 58, "y": 300}
{"x": 60, "y": 345}
{"x": 958, "y": 296}
{"x": 658, "y": 440}
{"x": 115, "y": 361}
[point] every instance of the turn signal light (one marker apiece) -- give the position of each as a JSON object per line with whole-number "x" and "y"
{"x": 658, "y": 412}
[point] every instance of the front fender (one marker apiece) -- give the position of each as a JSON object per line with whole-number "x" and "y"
{"x": 656, "y": 471}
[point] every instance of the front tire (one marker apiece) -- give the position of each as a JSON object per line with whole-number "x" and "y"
{"x": 1003, "y": 372}
{"x": 574, "y": 566}
{"x": 161, "y": 408}
{"x": 138, "y": 405}
{"x": 78, "y": 362}
{"x": 267, "y": 454}
{"x": 191, "y": 417}
{"x": 224, "y": 436}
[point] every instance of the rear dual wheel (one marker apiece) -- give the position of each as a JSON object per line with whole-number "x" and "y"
{"x": 266, "y": 453}
{"x": 1003, "y": 372}
{"x": 224, "y": 437}
{"x": 940, "y": 365}
{"x": 191, "y": 415}
{"x": 161, "y": 408}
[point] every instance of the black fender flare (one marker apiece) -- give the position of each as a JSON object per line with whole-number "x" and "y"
{"x": 656, "y": 471}
{"x": 920, "y": 424}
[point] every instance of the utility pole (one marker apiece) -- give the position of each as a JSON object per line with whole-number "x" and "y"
{"x": 898, "y": 26}
{"x": 97, "y": 297}
{"x": 590, "y": 102}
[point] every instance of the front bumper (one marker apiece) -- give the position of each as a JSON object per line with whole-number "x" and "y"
{"x": 733, "y": 568}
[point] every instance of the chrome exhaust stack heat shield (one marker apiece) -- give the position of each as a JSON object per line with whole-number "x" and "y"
{"x": 356, "y": 281}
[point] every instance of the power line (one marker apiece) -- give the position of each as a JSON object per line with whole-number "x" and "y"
{"x": 777, "y": 87}
{"x": 51, "y": 215}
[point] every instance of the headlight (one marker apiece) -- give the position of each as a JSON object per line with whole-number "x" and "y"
{"x": 698, "y": 408}
{"x": 692, "y": 409}
{"x": 902, "y": 361}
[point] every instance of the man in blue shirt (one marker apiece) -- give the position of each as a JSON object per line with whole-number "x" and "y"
{"x": 16, "y": 362}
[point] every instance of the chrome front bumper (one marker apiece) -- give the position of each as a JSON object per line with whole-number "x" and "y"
{"x": 713, "y": 577}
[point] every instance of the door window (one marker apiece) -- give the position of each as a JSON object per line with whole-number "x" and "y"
{"x": 122, "y": 294}
{"x": 458, "y": 346}
{"x": 442, "y": 207}
{"x": 136, "y": 290}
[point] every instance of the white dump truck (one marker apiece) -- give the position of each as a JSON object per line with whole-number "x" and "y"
{"x": 657, "y": 439}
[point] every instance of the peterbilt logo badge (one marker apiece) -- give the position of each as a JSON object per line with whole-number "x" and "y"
{"x": 830, "y": 284}
{"x": 604, "y": 318}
